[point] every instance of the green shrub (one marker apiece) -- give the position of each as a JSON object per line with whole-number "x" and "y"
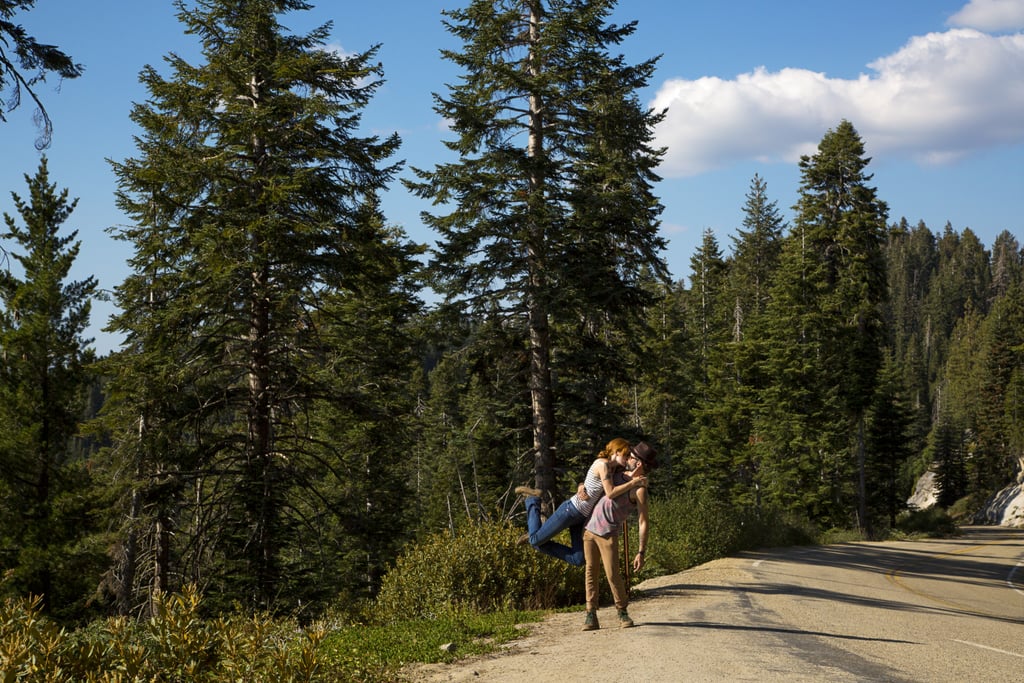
{"x": 934, "y": 521}
{"x": 176, "y": 646}
{"x": 30, "y": 644}
{"x": 691, "y": 528}
{"x": 964, "y": 509}
{"x": 840, "y": 535}
{"x": 481, "y": 568}
{"x": 173, "y": 645}
{"x": 770, "y": 528}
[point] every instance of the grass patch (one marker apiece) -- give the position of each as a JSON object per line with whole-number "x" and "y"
{"x": 376, "y": 653}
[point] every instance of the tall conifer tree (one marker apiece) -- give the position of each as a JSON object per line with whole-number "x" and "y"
{"x": 708, "y": 319}
{"x": 552, "y": 214}
{"x": 44, "y": 377}
{"x": 664, "y": 395}
{"x": 911, "y": 258}
{"x": 259, "y": 250}
{"x": 724, "y": 421}
{"x": 827, "y": 328}
{"x": 889, "y": 446}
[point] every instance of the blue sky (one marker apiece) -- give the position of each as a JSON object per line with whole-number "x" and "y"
{"x": 935, "y": 88}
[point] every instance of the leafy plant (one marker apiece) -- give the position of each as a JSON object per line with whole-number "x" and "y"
{"x": 481, "y": 568}
{"x": 174, "y": 644}
{"x": 696, "y": 526}
{"x": 934, "y": 521}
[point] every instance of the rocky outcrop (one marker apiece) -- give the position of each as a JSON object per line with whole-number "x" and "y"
{"x": 1005, "y": 508}
{"x": 926, "y": 492}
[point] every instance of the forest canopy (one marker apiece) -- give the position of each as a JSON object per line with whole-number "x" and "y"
{"x": 287, "y": 413}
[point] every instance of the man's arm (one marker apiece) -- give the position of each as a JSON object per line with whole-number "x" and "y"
{"x": 641, "y": 508}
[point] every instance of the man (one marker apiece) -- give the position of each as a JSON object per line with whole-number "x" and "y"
{"x": 601, "y": 542}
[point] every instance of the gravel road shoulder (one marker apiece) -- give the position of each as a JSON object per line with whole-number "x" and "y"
{"x": 555, "y": 649}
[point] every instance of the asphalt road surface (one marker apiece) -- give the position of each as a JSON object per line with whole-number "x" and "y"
{"x": 930, "y": 611}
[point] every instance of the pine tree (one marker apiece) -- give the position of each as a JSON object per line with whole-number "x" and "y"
{"x": 961, "y": 281}
{"x": 471, "y": 438}
{"x": 44, "y": 377}
{"x": 1000, "y": 355}
{"x": 752, "y": 268}
{"x": 827, "y": 329}
{"x": 755, "y": 258}
{"x": 911, "y": 257}
{"x": 258, "y": 246}
{"x": 710, "y": 313}
{"x": 947, "y": 450}
{"x": 663, "y": 397}
{"x": 552, "y": 213}
{"x": 889, "y": 446}
{"x": 359, "y": 514}
{"x": 1007, "y": 264}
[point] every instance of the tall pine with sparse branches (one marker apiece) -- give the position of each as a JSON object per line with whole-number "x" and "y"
{"x": 547, "y": 217}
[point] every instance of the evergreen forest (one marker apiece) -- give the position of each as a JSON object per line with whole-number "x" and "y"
{"x": 287, "y": 415}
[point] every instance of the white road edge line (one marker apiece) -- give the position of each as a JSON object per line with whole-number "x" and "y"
{"x": 1009, "y": 579}
{"x": 986, "y": 647}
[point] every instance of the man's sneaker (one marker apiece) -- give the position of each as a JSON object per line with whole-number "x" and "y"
{"x": 523, "y": 540}
{"x": 529, "y": 491}
{"x": 624, "y": 620}
{"x": 590, "y": 623}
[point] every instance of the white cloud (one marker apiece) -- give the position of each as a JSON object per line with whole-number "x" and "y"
{"x": 990, "y": 15}
{"x": 941, "y": 96}
{"x": 339, "y": 50}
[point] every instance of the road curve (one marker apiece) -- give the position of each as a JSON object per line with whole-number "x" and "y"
{"x": 929, "y": 611}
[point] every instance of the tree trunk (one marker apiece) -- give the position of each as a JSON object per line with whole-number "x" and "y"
{"x": 862, "y": 493}
{"x": 540, "y": 337}
{"x": 260, "y": 500}
{"x": 541, "y": 400}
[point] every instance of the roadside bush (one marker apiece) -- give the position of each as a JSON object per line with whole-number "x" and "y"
{"x": 771, "y": 528}
{"x": 173, "y": 645}
{"x": 966, "y": 510}
{"x": 691, "y": 528}
{"x": 840, "y": 535}
{"x": 481, "y": 568}
{"x": 934, "y": 521}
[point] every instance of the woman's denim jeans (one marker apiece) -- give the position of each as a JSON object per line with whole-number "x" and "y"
{"x": 565, "y": 517}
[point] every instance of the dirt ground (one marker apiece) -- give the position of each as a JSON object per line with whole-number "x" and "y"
{"x": 557, "y": 650}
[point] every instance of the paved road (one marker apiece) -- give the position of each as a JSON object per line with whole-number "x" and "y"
{"x": 929, "y": 611}
{"x": 942, "y": 610}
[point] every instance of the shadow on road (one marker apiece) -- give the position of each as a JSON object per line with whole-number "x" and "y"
{"x": 771, "y": 629}
{"x": 905, "y": 560}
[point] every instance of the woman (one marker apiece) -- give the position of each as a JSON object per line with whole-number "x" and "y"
{"x": 575, "y": 511}
{"x": 601, "y": 543}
